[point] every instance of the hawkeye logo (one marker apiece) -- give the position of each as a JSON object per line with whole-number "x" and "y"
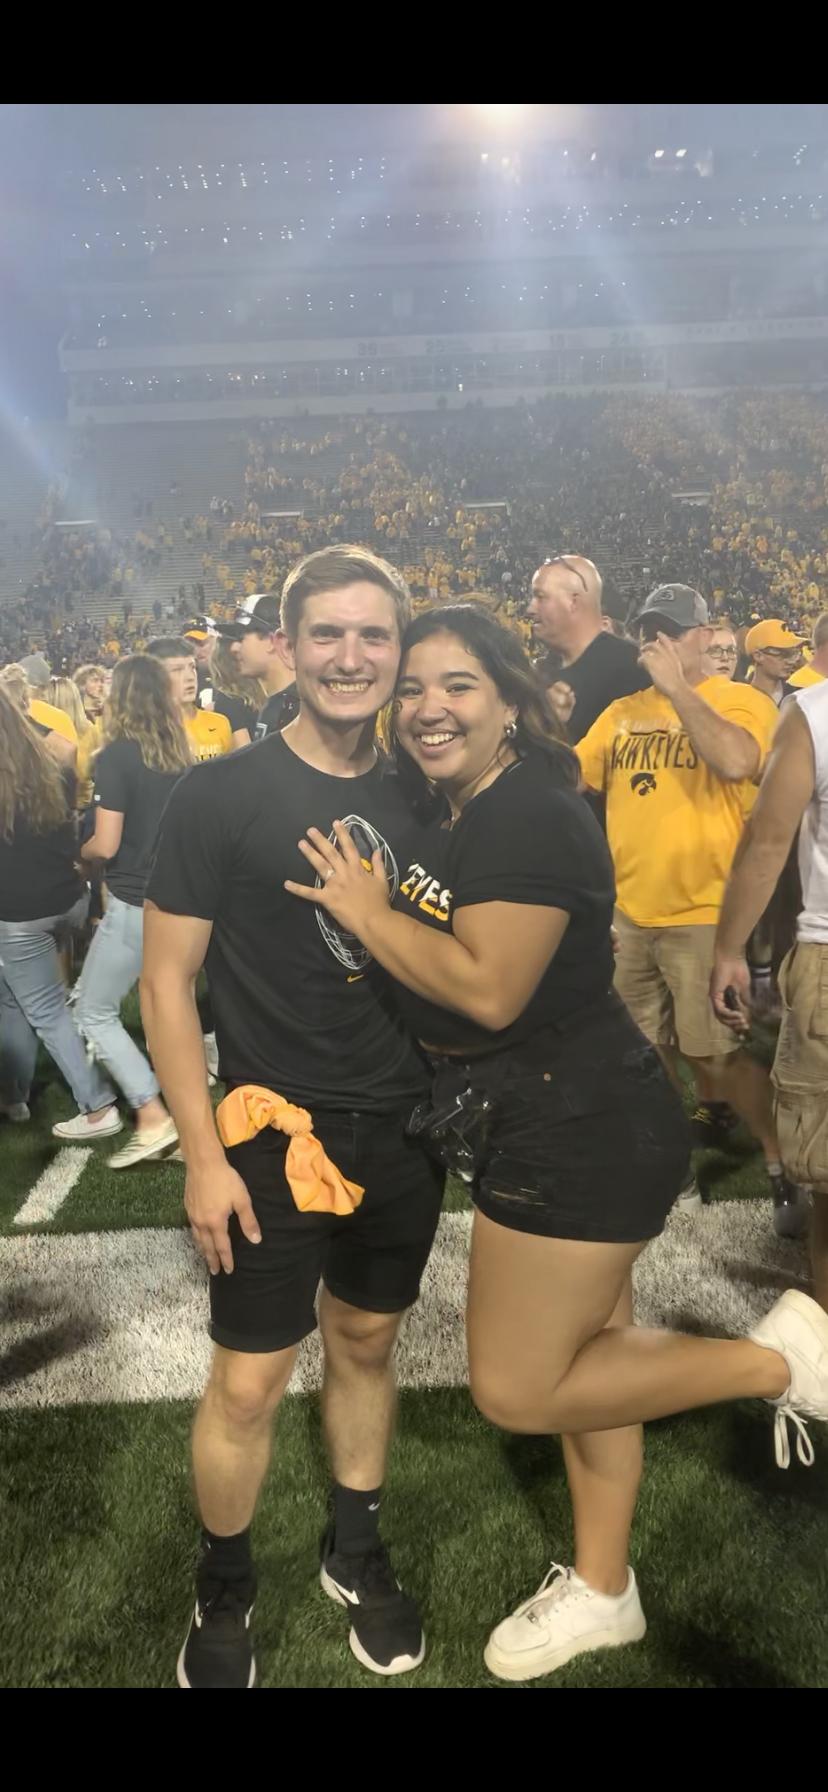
{"x": 345, "y": 946}
{"x": 643, "y": 783}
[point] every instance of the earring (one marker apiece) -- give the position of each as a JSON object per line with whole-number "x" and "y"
{"x": 510, "y": 730}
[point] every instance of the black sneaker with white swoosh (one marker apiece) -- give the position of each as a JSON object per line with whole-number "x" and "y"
{"x": 218, "y": 1651}
{"x": 386, "y": 1631}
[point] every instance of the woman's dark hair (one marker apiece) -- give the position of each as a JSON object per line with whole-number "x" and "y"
{"x": 502, "y": 656}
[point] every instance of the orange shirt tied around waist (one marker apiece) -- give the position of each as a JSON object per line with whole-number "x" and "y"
{"x": 317, "y": 1186}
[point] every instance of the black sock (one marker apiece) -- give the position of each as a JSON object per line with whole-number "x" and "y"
{"x": 225, "y": 1558}
{"x": 719, "y": 1109}
{"x": 356, "y": 1518}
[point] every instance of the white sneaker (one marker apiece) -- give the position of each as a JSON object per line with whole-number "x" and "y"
{"x": 80, "y": 1130}
{"x": 211, "y": 1055}
{"x": 143, "y": 1146}
{"x": 688, "y": 1199}
{"x": 797, "y": 1328}
{"x": 564, "y": 1618}
{"x": 17, "y": 1112}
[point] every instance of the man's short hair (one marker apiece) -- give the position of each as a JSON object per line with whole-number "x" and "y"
{"x": 333, "y": 569}
{"x": 170, "y": 647}
{"x": 820, "y": 634}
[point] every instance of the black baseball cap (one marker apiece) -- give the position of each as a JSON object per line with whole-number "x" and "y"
{"x": 261, "y": 613}
{"x": 677, "y": 603}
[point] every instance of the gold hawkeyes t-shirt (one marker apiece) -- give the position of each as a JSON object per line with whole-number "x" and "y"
{"x": 210, "y": 734}
{"x": 673, "y": 825}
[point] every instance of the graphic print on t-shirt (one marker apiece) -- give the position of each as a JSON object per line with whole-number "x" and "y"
{"x": 425, "y": 892}
{"x": 345, "y": 946}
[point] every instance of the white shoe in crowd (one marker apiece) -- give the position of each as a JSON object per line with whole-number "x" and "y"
{"x": 81, "y": 1130}
{"x": 17, "y": 1112}
{"x": 563, "y": 1619}
{"x": 797, "y": 1328}
{"x": 144, "y": 1146}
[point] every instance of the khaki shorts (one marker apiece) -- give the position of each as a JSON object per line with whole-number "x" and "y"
{"x": 800, "y": 1069}
{"x": 663, "y": 975}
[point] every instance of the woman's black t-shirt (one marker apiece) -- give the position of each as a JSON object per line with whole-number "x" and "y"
{"x": 38, "y": 872}
{"x": 125, "y": 784}
{"x": 526, "y": 841}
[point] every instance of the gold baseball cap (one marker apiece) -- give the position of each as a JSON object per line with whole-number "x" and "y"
{"x": 772, "y": 634}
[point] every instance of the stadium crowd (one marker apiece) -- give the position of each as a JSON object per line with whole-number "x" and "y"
{"x": 729, "y": 494}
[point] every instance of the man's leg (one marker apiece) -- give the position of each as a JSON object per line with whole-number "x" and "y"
{"x": 231, "y": 1450}
{"x": 800, "y": 1082}
{"x": 358, "y": 1406}
{"x": 259, "y": 1314}
{"x": 359, "y": 1394}
{"x": 371, "y": 1276}
{"x": 232, "y": 1435}
{"x": 645, "y": 991}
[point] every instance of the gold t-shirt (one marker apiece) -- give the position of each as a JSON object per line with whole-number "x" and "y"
{"x": 210, "y": 734}
{"x": 673, "y": 824}
{"x": 805, "y": 677}
{"x": 55, "y": 719}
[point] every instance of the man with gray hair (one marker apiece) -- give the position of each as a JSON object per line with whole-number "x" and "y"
{"x": 677, "y": 764}
{"x": 595, "y": 666}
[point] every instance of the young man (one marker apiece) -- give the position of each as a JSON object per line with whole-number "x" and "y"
{"x": 677, "y": 763}
{"x": 255, "y": 635}
{"x": 794, "y": 790}
{"x": 301, "y": 1012}
{"x": 202, "y": 634}
{"x": 210, "y": 735}
{"x": 721, "y": 655}
{"x": 775, "y": 652}
{"x": 596, "y": 666}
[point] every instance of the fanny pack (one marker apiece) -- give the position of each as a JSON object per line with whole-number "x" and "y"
{"x": 455, "y": 1120}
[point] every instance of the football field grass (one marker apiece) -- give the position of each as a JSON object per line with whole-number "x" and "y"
{"x": 101, "y": 1308}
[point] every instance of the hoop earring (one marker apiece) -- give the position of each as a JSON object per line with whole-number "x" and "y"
{"x": 510, "y": 730}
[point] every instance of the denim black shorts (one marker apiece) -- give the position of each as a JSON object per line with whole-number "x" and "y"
{"x": 588, "y": 1139}
{"x": 372, "y": 1259}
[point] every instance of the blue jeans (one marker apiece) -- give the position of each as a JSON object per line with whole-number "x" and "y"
{"x": 33, "y": 1006}
{"x": 112, "y": 968}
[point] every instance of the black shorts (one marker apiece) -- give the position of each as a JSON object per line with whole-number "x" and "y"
{"x": 372, "y": 1258}
{"x": 589, "y": 1139}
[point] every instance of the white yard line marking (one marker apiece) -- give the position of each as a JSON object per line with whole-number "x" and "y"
{"x": 54, "y": 1185}
{"x": 91, "y": 1317}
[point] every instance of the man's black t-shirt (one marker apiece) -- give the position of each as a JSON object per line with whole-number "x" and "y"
{"x": 125, "y": 784}
{"x": 282, "y": 707}
{"x": 607, "y": 668}
{"x": 523, "y": 840}
{"x": 299, "y": 1005}
{"x": 239, "y": 714}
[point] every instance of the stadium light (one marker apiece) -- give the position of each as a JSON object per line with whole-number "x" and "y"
{"x": 501, "y": 114}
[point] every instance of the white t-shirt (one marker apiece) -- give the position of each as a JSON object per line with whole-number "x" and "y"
{"x": 812, "y": 925}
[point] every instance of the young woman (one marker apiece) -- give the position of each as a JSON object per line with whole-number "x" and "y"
{"x": 16, "y": 685}
{"x": 500, "y": 945}
{"x": 42, "y": 899}
{"x": 233, "y": 695}
{"x": 63, "y": 694}
{"x": 144, "y": 753}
